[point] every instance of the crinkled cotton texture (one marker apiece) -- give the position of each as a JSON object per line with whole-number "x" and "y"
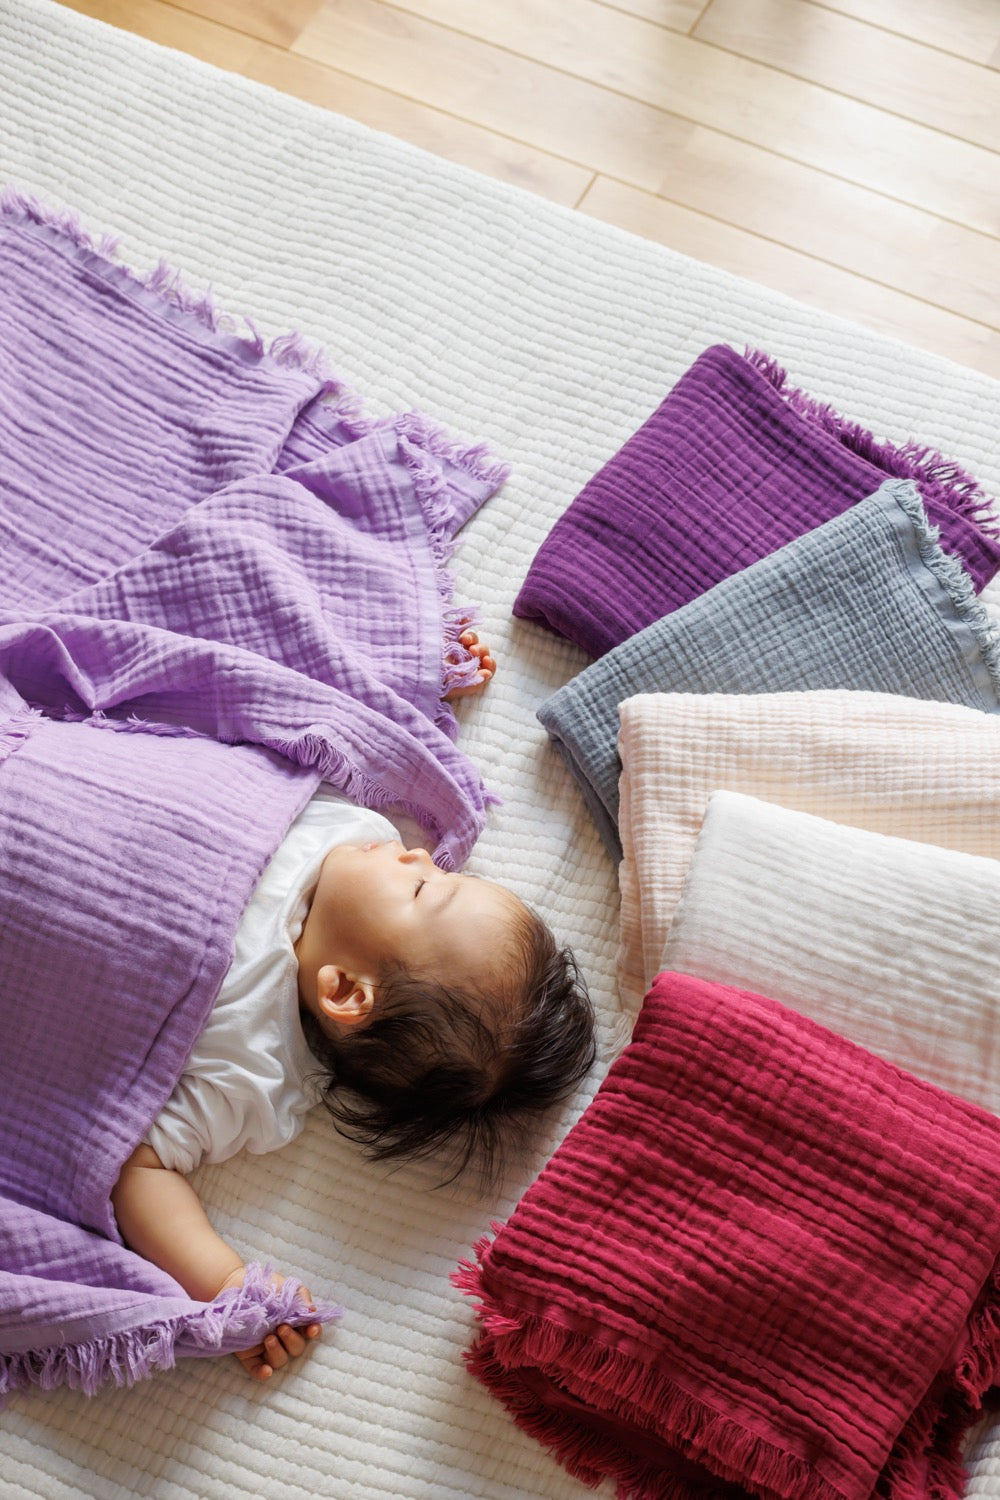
{"x": 868, "y": 602}
{"x": 762, "y": 1256}
{"x": 203, "y": 535}
{"x": 125, "y": 862}
{"x": 923, "y": 771}
{"x": 218, "y": 589}
{"x": 731, "y": 466}
{"x": 890, "y": 942}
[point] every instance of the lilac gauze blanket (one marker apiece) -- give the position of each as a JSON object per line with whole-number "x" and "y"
{"x": 221, "y": 586}
{"x": 731, "y": 466}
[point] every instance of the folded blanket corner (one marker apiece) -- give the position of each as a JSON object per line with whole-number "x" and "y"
{"x": 602, "y": 1414}
{"x": 868, "y": 602}
{"x": 731, "y": 466}
{"x": 939, "y": 479}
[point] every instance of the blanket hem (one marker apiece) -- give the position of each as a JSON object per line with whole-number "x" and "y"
{"x": 952, "y": 578}
{"x": 234, "y": 1320}
{"x": 937, "y": 478}
{"x": 336, "y": 401}
{"x": 291, "y": 350}
{"x": 632, "y": 1396}
{"x": 518, "y": 1354}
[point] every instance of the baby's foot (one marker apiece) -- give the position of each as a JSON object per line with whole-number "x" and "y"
{"x": 486, "y": 667}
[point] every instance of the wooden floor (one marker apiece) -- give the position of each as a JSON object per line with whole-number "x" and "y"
{"x": 847, "y": 152}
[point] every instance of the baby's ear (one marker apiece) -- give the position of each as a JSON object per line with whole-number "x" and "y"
{"x": 343, "y": 998}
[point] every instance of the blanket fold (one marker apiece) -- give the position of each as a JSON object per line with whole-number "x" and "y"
{"x": 763, "y": 1260}
{"x": 731, "y": 466}
{"x": 922, "y": 771}
{"x": 868, "y": 602}
{"x": 206, "y": 534}
{"x": 223, "y": 584}
{"x": 893, "y": 943}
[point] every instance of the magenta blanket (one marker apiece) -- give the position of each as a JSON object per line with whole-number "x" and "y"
{"x": 764, "y": 1260}
{"x": 730, "y": 467}
{"x": 221, "y": 585}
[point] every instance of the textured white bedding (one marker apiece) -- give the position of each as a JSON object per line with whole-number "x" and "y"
{"x": 553, "y": 336}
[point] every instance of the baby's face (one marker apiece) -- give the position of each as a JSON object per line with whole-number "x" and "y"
{"x": 379, "y": 903}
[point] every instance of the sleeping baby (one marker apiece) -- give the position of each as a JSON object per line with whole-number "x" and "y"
{"x": 428, "y": 1010}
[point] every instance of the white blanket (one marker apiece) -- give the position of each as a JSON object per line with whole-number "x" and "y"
{"x": 892, "y": 943}
{"x": 553, "y": 337}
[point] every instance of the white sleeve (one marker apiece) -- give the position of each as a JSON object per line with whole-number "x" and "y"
{"x": 248, "y": 1083}
{"x": 206, "y": 1121}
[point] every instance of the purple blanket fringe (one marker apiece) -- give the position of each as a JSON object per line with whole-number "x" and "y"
{"x": 941, "y": 481}
{"x": 234, "y": 1321}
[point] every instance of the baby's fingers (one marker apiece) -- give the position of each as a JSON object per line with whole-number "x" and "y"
{"x": 485, "y": 663}
{"x": 282, "y": 1345}
{"x": 470, "y": 640}
{"x": 255, "y": 1362}
{"x": 277, "y": 1350}
{"x": 287, "y": 1343}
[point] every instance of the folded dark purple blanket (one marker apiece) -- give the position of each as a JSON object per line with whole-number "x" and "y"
{"x": 732, "y": 466}
{"x": 221, "y": 585}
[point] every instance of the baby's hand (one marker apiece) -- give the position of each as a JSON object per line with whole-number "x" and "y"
{"x": 487, "y": 666}
{"x": 278, "y": 1348}
{"x": 284, "y": 1344}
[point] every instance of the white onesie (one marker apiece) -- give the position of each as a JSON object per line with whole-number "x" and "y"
{"x": 248, "y": 1079}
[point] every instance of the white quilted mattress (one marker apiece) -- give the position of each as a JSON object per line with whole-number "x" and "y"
{"x": 552, "y": 336}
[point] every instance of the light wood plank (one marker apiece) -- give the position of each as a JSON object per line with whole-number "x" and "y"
{"x": 277, "y": 21}
{"x": 651, "y": 149}
{"x": 968, "y": 28}
{"x": 169, "y": 27}
{"x": 862, "y": 61}
{"x": 422, "y": 125}
{"x": 676, "y": 15}
{"x": 757, "y": 103}
{"x": 834, "y": 221}
{"x": 477, "y": 81}
{"x": 806, "y": 279}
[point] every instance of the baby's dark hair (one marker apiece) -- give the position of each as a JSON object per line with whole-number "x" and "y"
{"x": 442, "y": 1069}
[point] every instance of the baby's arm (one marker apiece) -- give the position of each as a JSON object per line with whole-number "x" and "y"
{"x": 161, "y": 1218}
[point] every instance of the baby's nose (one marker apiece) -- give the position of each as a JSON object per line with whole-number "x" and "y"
{"x": 415, "y": 857}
